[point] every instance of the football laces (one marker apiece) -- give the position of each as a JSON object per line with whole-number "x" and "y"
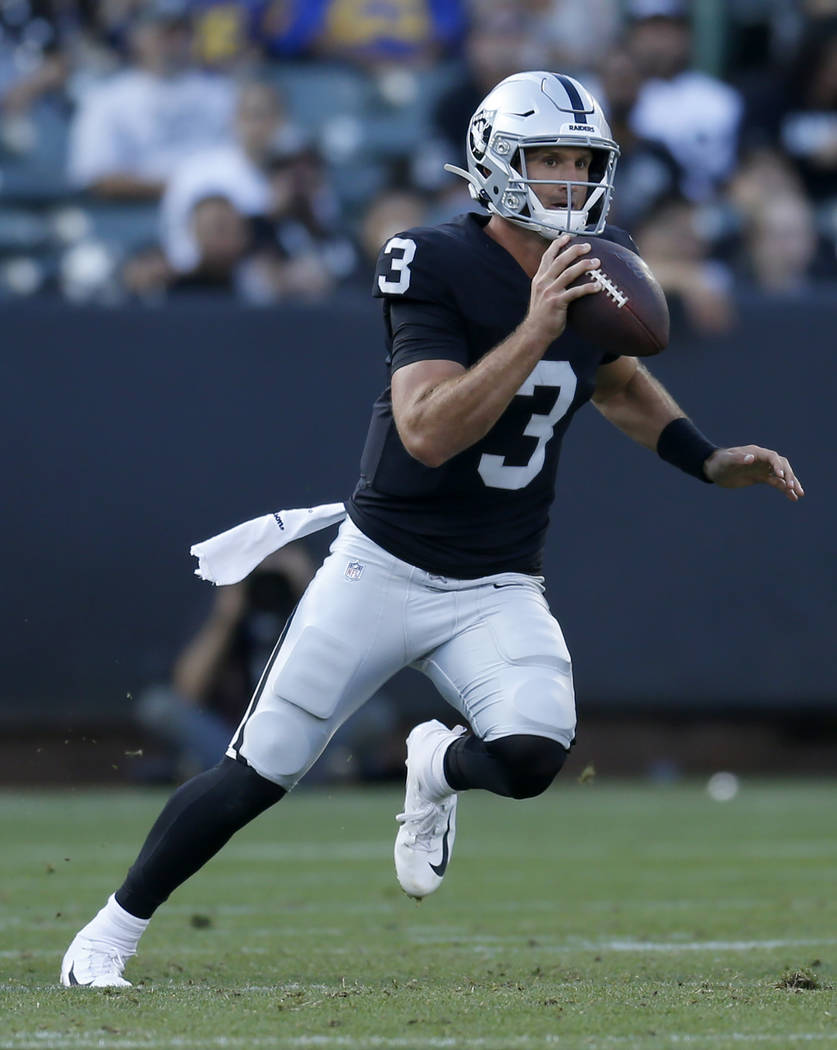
{"x": 610, "y": 288}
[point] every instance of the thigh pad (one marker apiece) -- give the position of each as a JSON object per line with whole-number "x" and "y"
{"x": 315, "y": 671}
{"x": 524, "y": 631}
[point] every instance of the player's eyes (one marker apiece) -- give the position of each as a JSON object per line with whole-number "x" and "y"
{"x": 556, "y": 162}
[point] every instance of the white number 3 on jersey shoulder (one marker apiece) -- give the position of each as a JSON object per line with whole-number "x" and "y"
{"x": 400, "y": 251}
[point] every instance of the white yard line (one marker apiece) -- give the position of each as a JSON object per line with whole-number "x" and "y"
{"x": 487, "y": 942}
{"x": 712, "y": 946}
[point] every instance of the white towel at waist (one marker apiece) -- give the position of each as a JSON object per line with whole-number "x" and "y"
{"x": 232, "y": 555}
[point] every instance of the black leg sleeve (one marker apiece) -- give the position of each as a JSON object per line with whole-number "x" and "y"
{"x": 518, "y": 766}
{"x": 199, "y": 818}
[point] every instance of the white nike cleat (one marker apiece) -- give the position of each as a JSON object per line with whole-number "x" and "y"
{"x": 90, "y": 963}
{"x": 424, "y": 842}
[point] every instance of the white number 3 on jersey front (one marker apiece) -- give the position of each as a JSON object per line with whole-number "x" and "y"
{"x": 399, "y": 265}
{"x": 493, "y": 470}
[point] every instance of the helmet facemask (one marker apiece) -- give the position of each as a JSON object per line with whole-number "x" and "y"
{"x": 520, "y": 202}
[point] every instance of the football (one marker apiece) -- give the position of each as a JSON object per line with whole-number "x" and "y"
{"x": 630, "y": 314}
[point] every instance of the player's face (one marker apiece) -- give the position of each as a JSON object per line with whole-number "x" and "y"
{"x": 565, "y": 163}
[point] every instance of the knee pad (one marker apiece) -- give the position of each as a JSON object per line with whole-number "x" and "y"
{"x": 281, "y": 741}
{"x": 545, "y": 704}
{"x": 531, "y": 762}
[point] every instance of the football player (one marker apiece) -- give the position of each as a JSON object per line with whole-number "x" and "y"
{"x": 438, "y": 563}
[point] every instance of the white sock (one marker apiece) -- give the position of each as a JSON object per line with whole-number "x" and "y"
{"x": 434, "y": 782}
{"x": 116, "y": 926}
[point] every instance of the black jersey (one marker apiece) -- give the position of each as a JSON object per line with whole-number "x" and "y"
{"x": 452, "y": 292}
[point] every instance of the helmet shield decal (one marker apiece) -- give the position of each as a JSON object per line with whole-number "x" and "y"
{"x": 479, "y": 133}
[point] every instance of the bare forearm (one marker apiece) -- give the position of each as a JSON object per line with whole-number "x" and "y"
{"x": 48, "y": 77}
{"x": 640, "y": 409}
{"x": 457, "y": 412}
{"x": 197, "y": 665}
{"x": 127, "y": 187}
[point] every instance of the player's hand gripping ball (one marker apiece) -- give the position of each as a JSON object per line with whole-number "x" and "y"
{"x": 629, "y": 315}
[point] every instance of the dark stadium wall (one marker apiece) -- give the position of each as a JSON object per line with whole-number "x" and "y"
{"x": 130, "y": 434}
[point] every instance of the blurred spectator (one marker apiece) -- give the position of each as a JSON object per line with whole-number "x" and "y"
{"x": 147, "y": 273}
{"x": 693, "y": 114}
{"x": 365, "y": 31}
{"x": 215, "y": 675}
{"x": 767, "y": 181}
{"x": 33, "y": 67}
{"x": 808, "y": 129}
{"x": 236, "y": 170}
{"x": 227, "y": 263}
{"x": 288, "y": 28}
{"x": 780, "y": 245}
{"x": 293, "y": 248}
{"x": 133, "y": 130}
{"x": 764, "y": 174}
{"x": 579, "y": 35}
{"x": 775, "y": 244}
{"x": 226, "y": 33}
{"x": 673, "y": 244}
{"x": 48, "y": 76}
{"x": 403, "y": 30}
{"x": 301, "y": 248}
{"x": 647, "y": 173}
{"x": 223, "y": 240}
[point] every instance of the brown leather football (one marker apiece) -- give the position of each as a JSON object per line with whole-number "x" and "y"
{"x": 630, "y": 314}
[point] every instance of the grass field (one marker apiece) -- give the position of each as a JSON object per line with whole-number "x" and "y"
{"x": 605, "y": 915}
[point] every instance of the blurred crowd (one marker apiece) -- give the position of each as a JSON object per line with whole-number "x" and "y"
{"x": 265, "y": 149}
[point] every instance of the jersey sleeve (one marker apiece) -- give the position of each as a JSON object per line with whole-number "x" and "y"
{"x": 424, "y": 331}
{"x": 415, "y": 278}
{"x": 414, "y": 266}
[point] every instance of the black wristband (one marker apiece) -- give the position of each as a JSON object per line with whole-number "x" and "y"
{"x": 682, "y": 444}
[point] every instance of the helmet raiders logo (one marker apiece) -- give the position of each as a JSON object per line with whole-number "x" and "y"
{"x": 479, "y": 133}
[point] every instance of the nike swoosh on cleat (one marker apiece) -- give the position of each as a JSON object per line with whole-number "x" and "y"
{"x": 71, "y": 977}
{"x": 442, "y": 866}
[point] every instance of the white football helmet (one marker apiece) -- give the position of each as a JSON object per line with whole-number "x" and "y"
{"x": 530, "y": 110}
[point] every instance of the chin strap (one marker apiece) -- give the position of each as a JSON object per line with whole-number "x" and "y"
{"x": 474, "y": 187}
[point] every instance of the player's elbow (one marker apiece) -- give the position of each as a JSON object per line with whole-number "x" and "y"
{"x": 425, "y": 448}
{"x": 420, "y": 439}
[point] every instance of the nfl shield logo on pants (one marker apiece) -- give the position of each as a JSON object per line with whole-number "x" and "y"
{"x": 354, "y": 570}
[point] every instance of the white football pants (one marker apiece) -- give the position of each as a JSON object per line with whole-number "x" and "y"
{"x": 490, "y": 646}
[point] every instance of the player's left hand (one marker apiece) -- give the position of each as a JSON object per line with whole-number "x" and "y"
{"x": 733, "y": 468}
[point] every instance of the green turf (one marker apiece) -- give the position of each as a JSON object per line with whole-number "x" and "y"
{"x": 597, "y": 916}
